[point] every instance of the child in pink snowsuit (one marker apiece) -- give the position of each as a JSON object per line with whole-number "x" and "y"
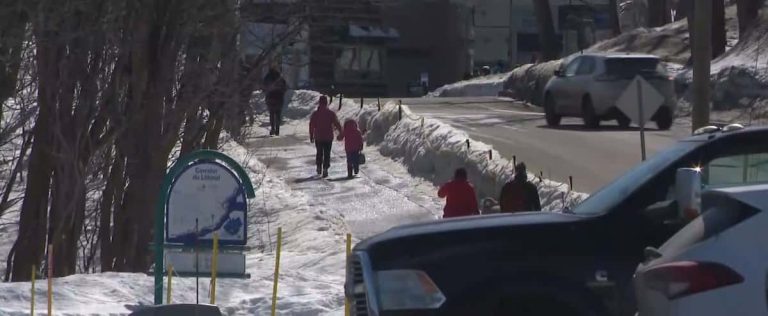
{"x": 353, "y": 145}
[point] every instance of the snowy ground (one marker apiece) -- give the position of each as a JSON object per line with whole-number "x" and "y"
{"x": 405, "y": 159}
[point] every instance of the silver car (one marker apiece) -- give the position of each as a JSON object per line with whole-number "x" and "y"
{"x": 588, "y": 86}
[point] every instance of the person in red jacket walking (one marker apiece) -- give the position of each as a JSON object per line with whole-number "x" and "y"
{"x": 353, "y": 145}
{"x": 321, "y": 125}
{"x": 460, "y": 196}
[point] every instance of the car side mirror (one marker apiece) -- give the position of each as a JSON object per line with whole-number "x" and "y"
{"x": 688, "y": 192}
{"x": 558, "y": 73}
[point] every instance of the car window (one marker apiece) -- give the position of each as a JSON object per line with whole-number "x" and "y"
{"x": 720, "y": 216}
{"x": 653, "y": 181}
{"x": 586, "y": 67}
{"x": 630, "y": 67}
{"x": 736, "y": 170}
{"x": 570, "y": 70}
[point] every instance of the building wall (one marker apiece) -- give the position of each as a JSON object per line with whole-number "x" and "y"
{"x": 434, "y": 38}
{"x": 492, "y": 27}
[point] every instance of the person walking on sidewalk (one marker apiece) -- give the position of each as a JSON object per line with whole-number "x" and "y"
{"x": 321, "y": 125}
{"x": 460, "y": 198}
{"x": 519, "y": 195}
{"x": 275, "y": 88}
{"x": 353, "y": 145}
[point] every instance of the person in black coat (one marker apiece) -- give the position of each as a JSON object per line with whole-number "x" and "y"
{"x": 275, "y": 88}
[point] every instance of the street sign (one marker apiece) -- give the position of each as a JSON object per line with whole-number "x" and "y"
{"x": 639, "y": 101}
{"x": 227, "y": 263}
{"x": 206, "y": 197}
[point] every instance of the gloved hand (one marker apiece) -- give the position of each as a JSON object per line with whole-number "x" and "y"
{"x": 340, "y": 137}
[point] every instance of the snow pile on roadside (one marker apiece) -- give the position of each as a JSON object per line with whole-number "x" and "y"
{"x": 483, "y": 86}
{"x": 527, "y": 82}
{"x": 739, "y": 78}
{"x": 433, "y": 150}
{"x": 311, "y": 239}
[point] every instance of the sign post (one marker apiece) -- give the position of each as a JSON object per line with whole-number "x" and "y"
{"x": 209, "y": 187}
{"x": 639, "y": 101}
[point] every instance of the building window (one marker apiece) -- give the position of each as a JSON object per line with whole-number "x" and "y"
{"x": 359, "y": 63}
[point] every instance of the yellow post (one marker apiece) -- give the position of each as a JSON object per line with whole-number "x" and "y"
{"x": 277, "y": 270}
{"x": 50, "y": 280}
{"x": 347, "y": 310}
{"x": 169, "y": 291}
{"x": 32, "y": 294}
{"x": 214, "y": 265}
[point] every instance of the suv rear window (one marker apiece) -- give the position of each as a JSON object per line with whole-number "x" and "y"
{"x": 630, "y": 67}
{"x": 723, "y": 214}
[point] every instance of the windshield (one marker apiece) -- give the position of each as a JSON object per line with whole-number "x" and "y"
{"x": 613, "y": 193}
{"x": 630, "y": 67}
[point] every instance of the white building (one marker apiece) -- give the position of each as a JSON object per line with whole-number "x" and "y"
{"x": 496, "y": 39}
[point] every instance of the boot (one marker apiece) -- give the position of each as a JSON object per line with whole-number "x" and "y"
{"x": 349, "y": 173}
{"x": 319, "y": 170}
{"x": 325, "y": 173}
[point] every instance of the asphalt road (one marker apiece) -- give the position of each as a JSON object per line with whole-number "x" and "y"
{"x": 593, "y": 157}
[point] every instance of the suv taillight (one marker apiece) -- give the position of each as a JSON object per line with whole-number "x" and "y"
{"x": 680, "y": 279}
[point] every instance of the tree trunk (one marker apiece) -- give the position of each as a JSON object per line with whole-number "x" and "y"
{"x": 547, "y": 39}
{"x": 212, "y": 136}
{"x": 718, "y": 28}
{"x": 30, "y": 243}
{"x": 13, "y": 21}
{"x": 683, "y": 9}
{"x": 115, "y": 182}
{"x": 747, "y": 12}
{"x": 658, "y": 13}
{"x": 613, "y": 8}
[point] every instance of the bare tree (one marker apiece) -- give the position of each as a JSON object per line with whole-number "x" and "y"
{"x": 547, "y": 39}
{"x": 658, "y": 13}
{"x": 718, "y": 28}
{"x": 747, "y": 12}
{"x": 613, "y": 11}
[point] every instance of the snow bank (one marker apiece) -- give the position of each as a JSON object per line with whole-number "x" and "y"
{"x": 432, "y": 150}
{"x": 481, "y": 86}
{"x": 739, "y": 78}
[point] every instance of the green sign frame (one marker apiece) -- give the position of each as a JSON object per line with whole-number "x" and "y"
{"x": 173, "y": 172}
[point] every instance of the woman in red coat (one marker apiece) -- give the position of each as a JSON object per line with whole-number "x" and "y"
{"x": 460, "y": 196}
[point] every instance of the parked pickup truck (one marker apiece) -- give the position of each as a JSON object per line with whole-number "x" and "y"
{"x": 576, "y": 262}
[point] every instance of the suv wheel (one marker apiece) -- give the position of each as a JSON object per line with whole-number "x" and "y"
{"x": 623, "y": 120}
{"x": 588, "y": 114}
{"x": 549, "y": 111}
{"x": 664, "y": 118}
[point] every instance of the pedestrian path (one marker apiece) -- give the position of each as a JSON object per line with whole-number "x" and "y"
{"x": 383, "y": 195}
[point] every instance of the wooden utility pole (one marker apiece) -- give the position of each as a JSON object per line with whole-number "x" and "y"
{"x": 701, "y": 51}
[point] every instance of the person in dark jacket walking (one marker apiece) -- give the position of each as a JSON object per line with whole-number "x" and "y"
{"x": 460, "y": 198}
{"x": 321, "y": 125}
{"x": 353, "y": 145}
{"x": 275, "y": 88}
{"x": 519, "y": 195}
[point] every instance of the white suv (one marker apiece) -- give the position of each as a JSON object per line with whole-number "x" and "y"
{"x": 588, "y": 86}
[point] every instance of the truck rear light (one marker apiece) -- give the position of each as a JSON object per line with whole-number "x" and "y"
{"x": 680, "y": 279}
